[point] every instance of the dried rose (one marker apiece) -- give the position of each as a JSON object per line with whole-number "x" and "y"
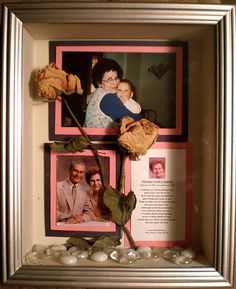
{"x": 52, "y": 81}
{"x": 136, "y": 137}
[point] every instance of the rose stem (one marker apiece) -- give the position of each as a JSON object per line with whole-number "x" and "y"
{"x": 122, "y": 174}
{"x": 129, "y": 236}
{"x": 83, "y": 133}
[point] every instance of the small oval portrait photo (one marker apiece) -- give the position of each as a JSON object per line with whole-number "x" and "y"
{"x": 157, "y": 168}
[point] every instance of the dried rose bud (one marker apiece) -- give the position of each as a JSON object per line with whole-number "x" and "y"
{"x": 52, "y": 81}
{"x": 74, "y": 84}
{"x": 137, "y": 136}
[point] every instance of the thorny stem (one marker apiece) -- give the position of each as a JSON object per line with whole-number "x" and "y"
{"x": 83, "y": 133}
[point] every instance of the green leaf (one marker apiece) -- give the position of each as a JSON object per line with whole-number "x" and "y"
{"x": 131, "y": 201}
{"x": 120, "y": 205}
{"x": 78, "y": 242}
{"x": 78, "y": 144}
{"x": 58, "y": 147}
{"x": 111, "y": 199}
{"x": 105, "y": 242}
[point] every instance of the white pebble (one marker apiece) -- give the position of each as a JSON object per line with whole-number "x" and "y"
{"x": 170, "y": 254}
{"x": 72, "y": 249}
{"x": 127, "y": 260}
{"x": 68, "y": 260}
{"x": 81, "y": 254}
{"x": 48, "y": 252}
{"x": 144, "y": 249}
{"x": 145, "y": 252}
{"x": 182, "y": 260}
{"x": 188, "y": 253}
{"x": 58, "y": 248}
{"x": 39, "y": 248}
{"x": 99, "y": 257}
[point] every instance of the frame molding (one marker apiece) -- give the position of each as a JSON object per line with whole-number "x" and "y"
{"x": 15, "y": 17}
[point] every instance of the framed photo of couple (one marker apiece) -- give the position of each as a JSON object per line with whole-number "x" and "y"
{"x": 181, "y": 60}
{"x": 61, "y": 172}
{"x": 158, "y": 72}
{"x": 163, "y": 210}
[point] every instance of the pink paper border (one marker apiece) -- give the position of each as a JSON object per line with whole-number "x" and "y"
{"x": 59, "y": 130}
{"x": 111, "y": 227}
{"x": 188, "y": 217}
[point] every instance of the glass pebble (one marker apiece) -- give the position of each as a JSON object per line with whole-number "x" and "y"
{"x": 182, "y": 260}
{"x": 145, "y": 252}
{"x": 155, "y": 255}
{"x": 48, "y": 252}
{"x": 32, "y": 258}
{"x": 170, "y": 254}
{"x": 188, "y": 252}
{"x": 126, "y": 259}
{"x": 39, "y": 248}
{"x": 158, "y": 251}
{"x": 126, "y": 251}
{"x": 80, "y": 254}
{"x": 58, "y": 248}
{"x": 99, "y": 256}
{"x": 68, "y": 259}
{"x": 115, "y": 255}
{"x": 72, "y": 249}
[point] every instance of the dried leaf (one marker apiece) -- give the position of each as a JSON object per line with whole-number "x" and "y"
{"x": 78, "y": 242}
{"x": 105, "y": 242}
{"x": 58, "y": 147}
{"x": 78, "y": 144}
{"x": 120, "y": 205}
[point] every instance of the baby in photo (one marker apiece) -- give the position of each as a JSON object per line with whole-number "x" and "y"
{"x": 125, "y": 92}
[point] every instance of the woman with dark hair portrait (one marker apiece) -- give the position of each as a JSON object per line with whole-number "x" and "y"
{"x": 157, "y": 168}
{"x": 105, "y": 109}
{"x": 98, "y": 211}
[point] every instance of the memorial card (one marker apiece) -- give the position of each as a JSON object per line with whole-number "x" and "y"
{"x": 161, "y": 181}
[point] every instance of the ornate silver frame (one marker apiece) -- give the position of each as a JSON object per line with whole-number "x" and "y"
{"x": 15, "y": 18}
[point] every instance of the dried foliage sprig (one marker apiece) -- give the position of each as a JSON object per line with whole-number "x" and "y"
{"x": 136, "y": 137}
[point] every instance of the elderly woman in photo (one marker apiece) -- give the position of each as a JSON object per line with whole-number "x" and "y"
{"x": 157, "y": 168}
{"x": 105, "y": 109}
{"x": 98, "y": 211}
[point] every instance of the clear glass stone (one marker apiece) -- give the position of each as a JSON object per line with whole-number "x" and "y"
{"x": 182, "y": 260}
{"x": 81, "y": 254}
{"x": 126, "y": 259}
{"x": 115, "y": 255}
{"x": 189, "y": 252}
{"x": 32, "y": 258}
{"x": 170, "y": 254}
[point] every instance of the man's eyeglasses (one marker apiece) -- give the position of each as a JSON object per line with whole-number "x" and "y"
{"x": 111, "y": 80}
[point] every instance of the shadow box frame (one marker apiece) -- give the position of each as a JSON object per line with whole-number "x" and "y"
{"x": 40, "y": 19}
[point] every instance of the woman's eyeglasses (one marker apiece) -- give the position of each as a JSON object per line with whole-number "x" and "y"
{"x": 111, "y": 80}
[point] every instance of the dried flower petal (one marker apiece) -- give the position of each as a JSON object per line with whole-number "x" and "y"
{"x": 137, "y": 136}
{"x": 74, "y": 84}
{"x": 52, "y": 81}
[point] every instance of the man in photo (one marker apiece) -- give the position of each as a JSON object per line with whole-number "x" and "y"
{"x": 73, "y": 196}
{"x": 157, "y": 168}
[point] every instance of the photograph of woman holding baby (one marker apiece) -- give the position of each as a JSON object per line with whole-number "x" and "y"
{"x": 122, "y": 81}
